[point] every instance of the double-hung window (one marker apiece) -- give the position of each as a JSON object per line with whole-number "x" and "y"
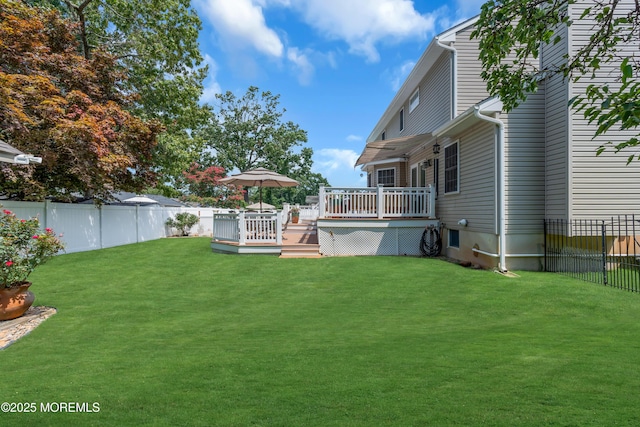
{"x": 387, "y": 177}
{"x": 414, "y": 101}
{"x": 451, "y": 168}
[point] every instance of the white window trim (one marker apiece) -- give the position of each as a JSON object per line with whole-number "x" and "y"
{"x": 444, "y": 171}
{"x": 395, "y": 175}
{"x": 413, "y": 106}
{"x": 415, "y": 166}
{"x": 420, "y": 173}
{"x": 402, "y": 119}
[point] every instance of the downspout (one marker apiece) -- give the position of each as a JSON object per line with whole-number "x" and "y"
{"x": 454, "y": 77}
{"x": 501, "y": 174}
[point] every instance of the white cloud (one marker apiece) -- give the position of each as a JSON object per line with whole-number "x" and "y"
{"x": 364, "y": 23}
{"x": 337, "y": 165}
{"x": 468, "y": 8}
{"x": 241, "y": 22}
{"x": 399, "y": 74}
{"x": 211, "y": 85}
{"x": 354, "y": 138}
{"x": 267, "y": 3}
{"x": 302, "y": 64}
{"x": 336, "y": 158}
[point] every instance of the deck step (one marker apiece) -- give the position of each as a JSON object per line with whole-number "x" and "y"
{"x": 300, "y": 241}
{"x": 300, "y": 251}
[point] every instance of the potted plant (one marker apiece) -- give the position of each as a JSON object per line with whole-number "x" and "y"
{"x": 23, "y": 247}
{"x": 295, "y": 214}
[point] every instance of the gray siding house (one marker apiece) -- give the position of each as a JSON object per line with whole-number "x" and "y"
{"x": 497, "y": 176}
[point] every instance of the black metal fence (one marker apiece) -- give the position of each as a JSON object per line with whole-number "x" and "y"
{"x": 600, "y": 251}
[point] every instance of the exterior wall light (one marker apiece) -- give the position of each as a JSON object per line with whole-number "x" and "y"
{"x": 436, "y": 148}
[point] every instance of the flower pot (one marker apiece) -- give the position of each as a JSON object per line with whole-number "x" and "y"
{"x": 295, "y": 218}
{"x": 14, "y": 301}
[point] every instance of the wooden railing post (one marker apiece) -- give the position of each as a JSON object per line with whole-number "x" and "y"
{"x": 321, "y": 202}
{"x": 242, "y": 227}
{"x": 432, "y": 202}
{"x": 380, "y": 201}
{"x": 278, "y": 229}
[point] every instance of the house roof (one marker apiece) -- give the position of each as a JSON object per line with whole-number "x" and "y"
{"x": 468, "y": 118}
{"x": 422, "y": 67}
{"x": 390, "y": 149}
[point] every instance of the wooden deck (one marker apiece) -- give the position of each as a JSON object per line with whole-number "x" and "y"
{"x": 298, "y": 241}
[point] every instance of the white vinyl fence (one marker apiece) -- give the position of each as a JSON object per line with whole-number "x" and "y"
{"x": 88, "y": 227}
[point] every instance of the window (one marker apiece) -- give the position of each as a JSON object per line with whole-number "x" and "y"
{"x": 414, "y": 101}
{"x": 419, "y": 175}
{"x": 401, "y": 120}
{"x": 384, "y": 135}
{"x": 387, "y": 177}
{"x": 369, "y": 180}
{"x": 451, "y": 171}
{"x": 454, "y": 238}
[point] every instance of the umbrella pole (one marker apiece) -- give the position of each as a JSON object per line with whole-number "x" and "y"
{"x": 260, "y": 197}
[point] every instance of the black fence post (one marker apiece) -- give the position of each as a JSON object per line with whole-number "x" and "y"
{"x": 545, "y": 244}
{"x": 604, "y": 253}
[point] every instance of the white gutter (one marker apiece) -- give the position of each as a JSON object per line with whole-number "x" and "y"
{"x": 501, "y": 174}
{"x": 382, "y": 162}
{"x": 454, "y": 77}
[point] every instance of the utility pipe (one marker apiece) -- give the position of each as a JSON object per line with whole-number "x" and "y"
{"x": 501, "y": 174}
{"x": 507, "y": 255}
{"x": 454, "y": 78}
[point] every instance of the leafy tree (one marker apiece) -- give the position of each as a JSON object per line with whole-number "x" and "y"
{"x": 156, "y": 43}
{"x": 248, "y": 132}
{"x": 511, "y": 33}
{"x": 68, "y": 109}
{"x": 205, "y": 189}
{"x": 309, "y": 186}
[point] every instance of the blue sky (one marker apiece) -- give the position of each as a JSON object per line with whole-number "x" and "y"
{"x": 336, "y": 64}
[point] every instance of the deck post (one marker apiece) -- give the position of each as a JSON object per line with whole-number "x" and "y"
{"x": 380, "y": 201}
{"x": 432, "y": 201}
{"x": 321, "y": 202}
{"x": 242, "y": 227}
{"x": 278, "y": 229}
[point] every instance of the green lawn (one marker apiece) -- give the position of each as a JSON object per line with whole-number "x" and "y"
{"x": 168, "y": 333}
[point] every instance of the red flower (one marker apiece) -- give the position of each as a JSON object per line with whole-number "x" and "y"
{"x": 23, "y": 221}
{"x": 8, "y": 263}
{"x": 48, "y": 230}
{"x": 36, "y": 237}
{"x": 6, "y": 212}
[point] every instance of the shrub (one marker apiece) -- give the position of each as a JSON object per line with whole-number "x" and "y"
{"x": 183, "y": 222}
{"x": 23, "y": 247}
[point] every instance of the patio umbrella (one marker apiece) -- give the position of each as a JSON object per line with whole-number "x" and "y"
{"x": 10, "y": 154}
{"x": 260, "y": 206}
{"x": 140, "y": 199}
{"x": 260, "y": 177}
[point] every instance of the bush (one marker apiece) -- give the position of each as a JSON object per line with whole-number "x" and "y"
{"x": 23, "y": 247}
{"x": 183, "y": 222}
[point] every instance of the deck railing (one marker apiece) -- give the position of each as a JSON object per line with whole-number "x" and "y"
{"x": 248, "y": 227}
{"x": 377, "y": 202}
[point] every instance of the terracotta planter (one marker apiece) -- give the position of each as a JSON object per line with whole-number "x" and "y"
{"x": 295, "y": 218}
{"x": 14, "y": 301}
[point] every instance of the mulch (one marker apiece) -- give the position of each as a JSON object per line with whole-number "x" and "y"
{"x": 12, "y": 330}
